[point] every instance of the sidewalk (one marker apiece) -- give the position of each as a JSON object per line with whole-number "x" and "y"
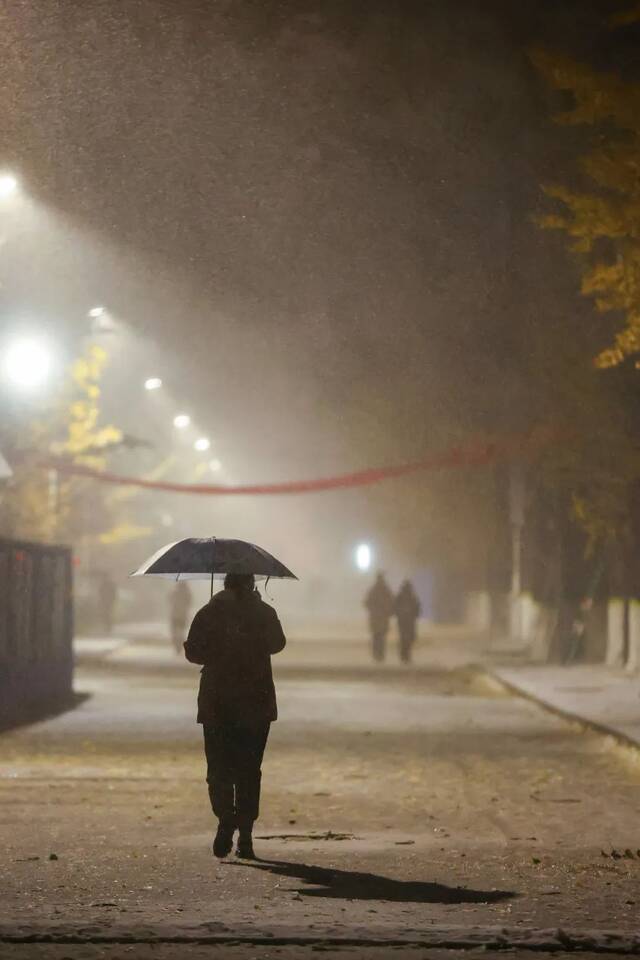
{"x": 401, "y": 807}
{"x": 331, "y": 648}
{"x": 599, "y": 697}
{"x": 604, "y": 699}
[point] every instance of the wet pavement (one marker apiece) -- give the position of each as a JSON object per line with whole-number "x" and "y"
{"x": 402, "y": 809}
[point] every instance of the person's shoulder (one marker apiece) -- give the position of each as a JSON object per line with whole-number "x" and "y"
{"x": 265, "y": 608}
{"x": 212, "y": 605}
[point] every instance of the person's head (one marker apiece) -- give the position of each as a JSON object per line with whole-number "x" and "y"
{"x": 239, "y": 582}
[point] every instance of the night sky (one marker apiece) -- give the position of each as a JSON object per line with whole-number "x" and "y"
{"x": 322, "y": 211}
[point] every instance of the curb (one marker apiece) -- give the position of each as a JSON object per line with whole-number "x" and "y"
{"x": 591, "y": 726}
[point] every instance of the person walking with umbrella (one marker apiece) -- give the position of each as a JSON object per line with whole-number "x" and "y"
{"x": 233, "y": 638}
{"x": 407, "y": 610}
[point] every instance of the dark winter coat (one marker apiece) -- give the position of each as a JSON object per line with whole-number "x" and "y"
{"x": 407, "y": 605}
{"x": 233, "y": 636}
{"x": 379, "y": 603}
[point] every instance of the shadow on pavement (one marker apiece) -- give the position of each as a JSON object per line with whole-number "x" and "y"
{"x": 36, "y": 713}
{"x": 351, "y": 885}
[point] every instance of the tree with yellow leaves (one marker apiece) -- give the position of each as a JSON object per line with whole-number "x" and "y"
{"x": 40, "y": 504}
{"x": 601, "y": 215}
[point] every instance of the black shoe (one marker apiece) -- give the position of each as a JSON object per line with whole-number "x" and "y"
{"x": 223, "y": 842}
{"x": 244, "y": 850}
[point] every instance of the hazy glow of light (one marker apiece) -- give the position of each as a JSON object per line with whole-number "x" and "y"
{"x": 153, "y": 383}
{"x": 181, "y": 421}
{"x": 202, "y": 443}
{"x": 364, "y": 556}
{"x": 166, "y": 520}
{"x": 27, "y": 363}
{"x": 215, "y": 466}
{"x": 8, "y": 185}
{"x": 96, "y": 312}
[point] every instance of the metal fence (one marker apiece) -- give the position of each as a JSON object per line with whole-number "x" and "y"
{"x": 36, "y": 628}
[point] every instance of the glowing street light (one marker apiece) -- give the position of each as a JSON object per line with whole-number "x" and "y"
{"x": 101, "y": 320}
{"x": 202, "y": 443}
{"x": 215, "y": 466}
{"x": 181, "y": 421}
{"x": 153, "y": 383}
{"x": 363, "y": 556}
{"x": 8, "y": 185}
{"x": 27, "y": 363}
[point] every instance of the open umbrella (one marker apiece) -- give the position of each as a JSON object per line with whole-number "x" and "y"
{"x": 204, "y": 558}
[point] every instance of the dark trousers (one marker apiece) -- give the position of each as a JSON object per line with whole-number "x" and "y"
{"x": 234, "y": 756}
{"x": 379, "y": 640}
{"x": 407, "y": 632}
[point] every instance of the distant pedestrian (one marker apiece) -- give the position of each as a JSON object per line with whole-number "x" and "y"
{"x": 180, "y": 600}
{"x": 379, "y": 603}
{"x": 407, "y": 610}
{"x": 107, "y": 597}
{"x": 233, "y": 637}
{"x": 576, "y": 642}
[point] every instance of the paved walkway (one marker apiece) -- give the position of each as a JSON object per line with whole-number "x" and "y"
{"x": 602, "y": 698}
{"x": 337, "y": 647}
{"x": 413, "y": 807}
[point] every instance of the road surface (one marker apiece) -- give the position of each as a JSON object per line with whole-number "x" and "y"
{"x": 402, "y": 808}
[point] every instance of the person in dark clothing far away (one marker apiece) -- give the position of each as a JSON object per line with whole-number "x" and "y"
{"x": 107, "y": 597}
{"x": 233, "y": 637}
{"x": 407, "y": 610}
{"x": 379, "y": 602}
{"x": 179, "y": 606}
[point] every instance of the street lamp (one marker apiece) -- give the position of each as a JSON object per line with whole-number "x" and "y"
{"x": 101, "y": 320}
{"x": 202, "y": 443}
{"x": 27, "y": 363}
{"x": 215, "y": 466}
{"x": 363, "y": 557}
{"x": 8, "y": 185}
{"x": 181, "y": 421}
{"x": 153, "y": 383}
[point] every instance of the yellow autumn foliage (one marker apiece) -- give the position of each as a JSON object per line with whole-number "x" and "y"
{"x": 600, "y": 210}
{"x": 43, "y": 505}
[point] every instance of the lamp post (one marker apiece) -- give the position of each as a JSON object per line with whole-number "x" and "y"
{"x": 26, "y": 365}
{"x": 516, "y": 517}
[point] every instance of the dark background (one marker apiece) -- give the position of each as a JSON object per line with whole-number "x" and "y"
{"x": 322, "y": 213}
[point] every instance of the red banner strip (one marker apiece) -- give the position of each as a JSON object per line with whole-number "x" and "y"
{"x": 474, "y": 454}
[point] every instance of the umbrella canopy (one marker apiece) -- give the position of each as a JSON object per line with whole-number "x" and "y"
{"x": 208, "y": 558}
